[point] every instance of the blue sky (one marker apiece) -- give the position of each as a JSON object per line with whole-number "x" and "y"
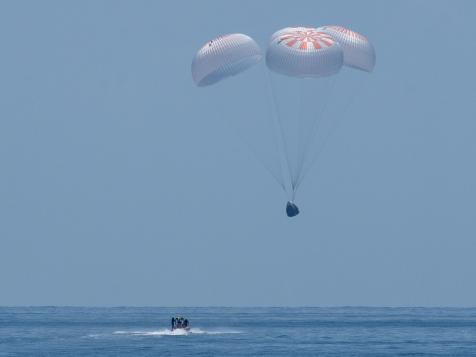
{"x": 115, "y": 169}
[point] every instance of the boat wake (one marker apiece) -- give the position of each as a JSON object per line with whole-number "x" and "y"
{"x": 177, "y": 332}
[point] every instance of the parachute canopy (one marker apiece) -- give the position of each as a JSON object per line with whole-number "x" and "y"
{"x": 304, "y": 52}
{"x": 223, "y": 57}
{"x": 358, "y": 51}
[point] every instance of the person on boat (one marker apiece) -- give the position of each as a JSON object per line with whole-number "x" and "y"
{"x": 179, "y": 322}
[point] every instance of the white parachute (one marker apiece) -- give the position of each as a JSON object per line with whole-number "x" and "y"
{"x": 358, "y": 51}
{"x": 225, "y": 56}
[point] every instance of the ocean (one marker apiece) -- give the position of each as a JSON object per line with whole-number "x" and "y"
{"x": 225, "y": 331}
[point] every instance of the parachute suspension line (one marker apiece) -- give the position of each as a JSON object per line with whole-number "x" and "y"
{"x": 281, "y": 137}
{"x": 275, "y": 137}
{"x": 345, "y": 107}
{"x": 223, "y": 115}
{"x": 300, "y": 128}
{"x": 317, "y": 120}
{"x": 301, "y": 133}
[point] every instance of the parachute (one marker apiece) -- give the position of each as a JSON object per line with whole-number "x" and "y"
{"x": 223, "y": 57}
{"x": 306, "y": 63}
{"x": 301, "y": 67}
{"x": 303, "y": 52}
{"x": 358, "y": 51}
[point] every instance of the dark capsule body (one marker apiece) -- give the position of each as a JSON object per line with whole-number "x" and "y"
{"x": 291, "y": 209}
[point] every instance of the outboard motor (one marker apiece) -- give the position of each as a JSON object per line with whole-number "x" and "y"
{"x": 291, "y": 209}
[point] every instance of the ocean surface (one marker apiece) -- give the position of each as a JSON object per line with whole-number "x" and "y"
{"x": 221, "y": 331}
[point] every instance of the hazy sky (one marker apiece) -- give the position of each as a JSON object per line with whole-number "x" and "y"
{"x": 120, "y": 185}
